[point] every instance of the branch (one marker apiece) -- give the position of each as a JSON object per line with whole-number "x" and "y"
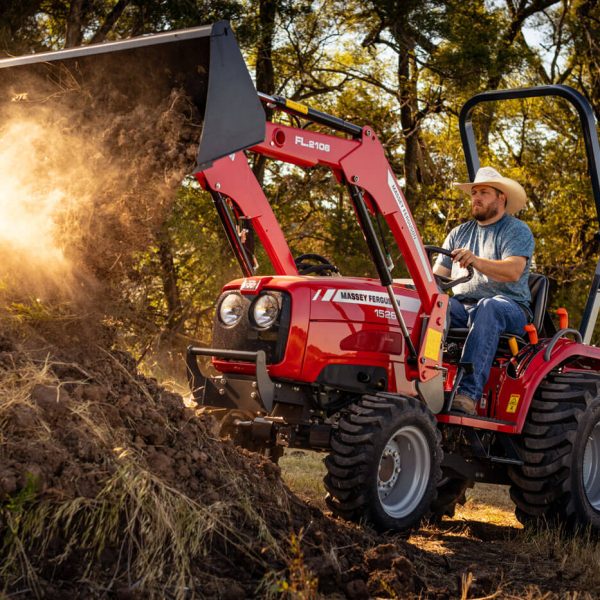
{"x": 109, "y": 21}
{"x": 362, "y": 77}
{"x": 422, "y": 40}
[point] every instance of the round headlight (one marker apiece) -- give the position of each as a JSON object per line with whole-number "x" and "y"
{"x": 231, "y": 309}
{"x": 265, "y": 310}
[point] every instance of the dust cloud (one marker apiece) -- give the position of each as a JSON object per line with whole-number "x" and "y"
{"x": 87, "y": 178}
{"x": 47, "y": 186}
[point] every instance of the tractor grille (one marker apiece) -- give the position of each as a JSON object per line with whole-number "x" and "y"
{"x": 246, "y": 336}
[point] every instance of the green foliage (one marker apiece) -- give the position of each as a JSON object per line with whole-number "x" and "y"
{"x": 202, "y": 262}
{"x": 18, "y": 503}
{"x": 465, "y": 55}
{"x": 403, "y": 67}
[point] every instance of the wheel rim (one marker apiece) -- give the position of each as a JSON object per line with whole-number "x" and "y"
{"x": 403, "y": 472}
{"x": 591, "y": 468}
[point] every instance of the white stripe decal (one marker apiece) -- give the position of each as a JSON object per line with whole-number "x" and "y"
{"x": 328, "y": 294}
{"x": 393, "y": 185}
{"x": 316, "y": 296}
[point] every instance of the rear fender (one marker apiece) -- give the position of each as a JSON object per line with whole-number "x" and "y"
{"x": 516, "y": 393}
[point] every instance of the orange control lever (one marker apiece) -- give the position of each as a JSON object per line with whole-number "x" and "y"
{"x": 532, "y": 333}
{"x": 563, "y": 318}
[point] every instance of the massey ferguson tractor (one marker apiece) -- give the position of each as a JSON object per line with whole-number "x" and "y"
{"x": 366, "y": 369}
{"x": 363, "y": 369}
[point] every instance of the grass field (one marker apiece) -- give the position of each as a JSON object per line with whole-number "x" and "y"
{"x": 303, "y": 471}
{"x": 482, "y": 544}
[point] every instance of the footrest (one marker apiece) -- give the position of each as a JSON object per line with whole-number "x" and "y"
{"x": 477, "y": 422}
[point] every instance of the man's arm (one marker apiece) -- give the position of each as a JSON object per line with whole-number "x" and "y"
{"x": 507, "y": 269}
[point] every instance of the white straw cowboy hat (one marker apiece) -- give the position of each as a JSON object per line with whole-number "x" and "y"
{"x": 516, "y": 198}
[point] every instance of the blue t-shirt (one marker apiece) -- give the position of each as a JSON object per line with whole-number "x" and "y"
{"x": 507, "y": 237}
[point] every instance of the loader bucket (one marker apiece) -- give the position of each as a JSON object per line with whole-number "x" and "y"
{"x": 204, "y": 61}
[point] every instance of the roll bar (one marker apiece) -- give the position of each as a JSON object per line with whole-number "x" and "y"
{"x": 592, "y": 150}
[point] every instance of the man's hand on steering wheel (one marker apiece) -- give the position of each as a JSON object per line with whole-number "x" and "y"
{"x": 465, "y": 258}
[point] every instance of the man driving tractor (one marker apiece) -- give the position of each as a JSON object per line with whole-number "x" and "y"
{"x": 499, "y": 247}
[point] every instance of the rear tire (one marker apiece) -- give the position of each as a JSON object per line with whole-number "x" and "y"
{"x": 384, "y": 466}
{"x": 559, "y": 481}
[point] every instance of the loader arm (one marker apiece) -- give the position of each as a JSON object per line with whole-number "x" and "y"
{"x": 232, "y": 177}
{"x": 360, "y": 164}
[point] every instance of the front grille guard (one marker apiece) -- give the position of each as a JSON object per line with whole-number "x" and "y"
{"x": 197, "y": 379}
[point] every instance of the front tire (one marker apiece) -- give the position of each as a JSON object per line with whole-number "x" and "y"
{"x": 385, "y": 462}
{"x": 559, "y": 481}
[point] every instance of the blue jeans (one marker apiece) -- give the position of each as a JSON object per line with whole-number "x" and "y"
{"x": 487, "y": 320}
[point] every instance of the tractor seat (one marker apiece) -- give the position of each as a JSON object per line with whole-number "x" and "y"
{"x": 538, "y": 287}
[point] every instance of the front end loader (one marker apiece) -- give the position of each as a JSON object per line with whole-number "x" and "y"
{"x": 362, "y": 369}
{"x": 365, "y": 370}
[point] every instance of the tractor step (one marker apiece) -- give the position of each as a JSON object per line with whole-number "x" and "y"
{"x": 456, "y": 418}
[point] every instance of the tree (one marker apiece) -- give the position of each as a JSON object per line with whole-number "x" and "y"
{"x": 403, "y": 66}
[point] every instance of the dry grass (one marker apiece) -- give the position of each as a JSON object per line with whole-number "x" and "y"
{"x": 489, "y": 504}
{"x": 158, "y": 532}
{"x": 577, "y": 555}
{"x": 303, "y": 472}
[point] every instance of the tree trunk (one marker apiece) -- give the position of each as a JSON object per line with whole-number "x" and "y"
{"x": 110, "y": 21}
{"x": 170, "y": 283}
{"x": 410, "y": 125}
{"x": 265, "y": 76}
{"x": 74, "y": 25}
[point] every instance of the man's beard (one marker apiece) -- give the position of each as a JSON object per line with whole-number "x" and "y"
{"x": 489, "y": 213}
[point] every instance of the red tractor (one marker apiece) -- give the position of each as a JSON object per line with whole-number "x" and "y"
{"x": 362, "y": 369}
{"x": 366, "y": 369}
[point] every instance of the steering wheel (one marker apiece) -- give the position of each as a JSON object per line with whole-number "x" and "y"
{"x": 445, "y": 283}
{"x": 315, "y": 263}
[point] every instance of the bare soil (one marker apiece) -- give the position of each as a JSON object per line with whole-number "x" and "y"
{"x": 482, "y": 552}
{"x": 79, "y": 425}
{"x": 82, "y": 431}
{"x": 473, "y": 559}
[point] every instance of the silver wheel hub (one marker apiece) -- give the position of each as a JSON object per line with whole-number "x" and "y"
{"x": 389, "y": 468}
{"x": 404, "y": 471}
{"x": 591, "y": 468}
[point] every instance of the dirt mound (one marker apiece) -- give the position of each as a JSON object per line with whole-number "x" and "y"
{"x": 109, "y": 485}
